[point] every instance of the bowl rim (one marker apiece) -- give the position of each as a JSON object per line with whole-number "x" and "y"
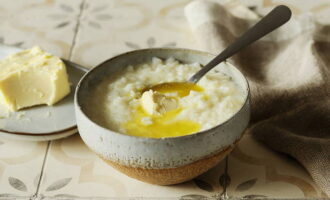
{"x": 78, "y": 105}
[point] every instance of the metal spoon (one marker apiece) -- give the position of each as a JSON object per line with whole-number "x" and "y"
{"x": 277, "y": 17}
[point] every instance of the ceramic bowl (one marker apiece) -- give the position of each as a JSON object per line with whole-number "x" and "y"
{"x": 162, "y": 161}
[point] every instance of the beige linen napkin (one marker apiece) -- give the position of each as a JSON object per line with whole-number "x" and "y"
{"x": 289, "y": 75}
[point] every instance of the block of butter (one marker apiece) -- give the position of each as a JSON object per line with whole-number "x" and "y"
{"x": 32, "y": 77}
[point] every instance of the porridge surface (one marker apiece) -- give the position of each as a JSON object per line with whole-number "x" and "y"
{"x": 116, "y": 103}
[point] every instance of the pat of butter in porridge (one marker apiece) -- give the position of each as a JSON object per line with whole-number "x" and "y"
{"x": 154, "y": 100}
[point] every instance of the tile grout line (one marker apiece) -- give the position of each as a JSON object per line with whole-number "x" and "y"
{"x": 42, "y": 170}
{"x": 76, "y": 29}
{"x": 224, "y": 194}
{"x": 226, "y": 171}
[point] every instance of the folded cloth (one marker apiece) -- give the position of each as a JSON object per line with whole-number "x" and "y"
{"x": 289, "y": 75}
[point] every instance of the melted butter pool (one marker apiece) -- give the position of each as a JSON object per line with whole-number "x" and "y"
{"x": 165, "y": 125}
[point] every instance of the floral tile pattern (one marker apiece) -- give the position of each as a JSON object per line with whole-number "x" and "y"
{"x": 25, "y": 24}
{"x": 33, "y": 22}
{"x": 73, "y": 169}
{"x": 108, "y": 28}
{"x": 256, "y": 171}
{"x": 89, "y": 32}
{"x": 20, "y": 167}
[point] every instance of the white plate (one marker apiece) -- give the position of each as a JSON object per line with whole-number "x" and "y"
{"x": 39, "y": 137}
{"x": 41, "y": 123}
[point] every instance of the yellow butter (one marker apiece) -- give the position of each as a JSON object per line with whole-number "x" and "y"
{"x": 32, "y": 77}
{"x": 160, "y": 126}
{"x": 155, "y": 103}
{"x": 156, "y": 116}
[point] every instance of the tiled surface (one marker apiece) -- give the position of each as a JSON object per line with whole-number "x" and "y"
{"x": 49, "y": 24}
{"x": 24, "y": 24}
{"x": 89, "y": 32}
{"x": 256, "y": 170}
{"x": 71, "y": 168}
{"x": 111, "y": 27}
{"x": 20, "y": 167}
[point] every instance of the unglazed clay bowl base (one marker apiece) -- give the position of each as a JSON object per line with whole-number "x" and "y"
{"x": 162, "y": 161}
{"x": 171, "y": 176}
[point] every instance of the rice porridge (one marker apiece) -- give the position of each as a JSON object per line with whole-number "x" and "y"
{"x": 130, "y": 103}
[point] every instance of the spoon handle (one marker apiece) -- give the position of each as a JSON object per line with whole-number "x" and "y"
{"x": 277, "y": 17}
